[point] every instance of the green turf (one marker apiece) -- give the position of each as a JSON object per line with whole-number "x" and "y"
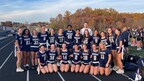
{"x": 133, "y": 50}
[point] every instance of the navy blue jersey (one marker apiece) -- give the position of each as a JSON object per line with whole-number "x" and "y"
{"x": 96, "y": 39}
{"x": 26, "y": 41}
{"x": 43, "y": 37}
{"x": 42, "y": 56}
{"x": 65, "y": 55}
{"x": 105, "y": 41}
{"x": 52, "y": 55}
{"x": 95, "y": 56}
{"x": 103, "y": 56}
{"x": 76, "y": 56}
{"x": 52, "y": 39}
{"x": 34, "y": 42}
{"x": 125, "y": 35}
{"x": 78, "y": 39}
{"x": 60, "y": 39}
{"x": 19, "y": 39}
{"x": 112, "y": 39}
{"x": 118, "y": 39}
{"x": 86, "y": 56}
{"x": 87, "y": 40}
{"x": 69, "y": 35}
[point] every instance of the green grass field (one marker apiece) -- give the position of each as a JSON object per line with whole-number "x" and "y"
{"x": 132, "y": 50}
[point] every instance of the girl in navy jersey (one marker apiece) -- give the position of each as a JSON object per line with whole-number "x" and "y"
{"x": 18, "y": 45}
{"x": 104, "y": 39}
{"x": 43, "y": 36}
{"x": 52, "y": 57}
{"x": 69, "y": 37}
{"x": 111, "y": 39}
{"x": 52, "y": 37}
{"x": 119, "y": 43}
{"x": 94, "y": 69}
{"x": 59, "y": 40}
{"x": 26, "y": 42}
{"x": 34, "y": 48}
{"x": 96, "y": 38}
{"x": 85, "y": 60}
{"x": 76, "y": 59}
{"x": 104, "y": 60}
{"x": 64, "y": 54}
{"x": 78, "y": 38}
{"x": 42, "y": 59}
{"x": 87, "y": 39}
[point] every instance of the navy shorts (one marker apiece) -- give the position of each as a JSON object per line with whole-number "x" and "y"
{"x": 102, "y": 64}
{"x": 51, "y": 62}
{"x": 126, "y": 43}
{"x": 43, "y": 64}
{"x": 64, "y": 62}
{"x": 34, "y": 49}
{"x": 85, "y": 63}
{"x": 76, "y": 63}
{"x": 25, "y": 48}
{"x": 95, "y": 64}
{"x": 17, "y": 48}
{"x": 118, "y": 50}
{"x": 113, "y": 47}
{"x": 70, "y": 45}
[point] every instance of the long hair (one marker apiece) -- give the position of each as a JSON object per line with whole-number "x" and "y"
{"x": 24, "y": 32}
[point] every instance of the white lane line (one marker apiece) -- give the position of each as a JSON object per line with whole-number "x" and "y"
{"x": 6, "y": 60}
{"x": 127, "y": 77}
{"x": 61, "y": 76}
{"x": 96, "y": 78}
{"x": 7, "y": 38}
{"x": 6, "y": 45}
{"x": 27, "y": 78}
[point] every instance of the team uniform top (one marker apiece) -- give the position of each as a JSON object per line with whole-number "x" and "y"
{"x": 26, "y": 42}
{"x": 86, "y": 57}
{"x": 52, "y": 39}
{"x": 138, "y": 35}
{"x": 69, "y": 35}
{"x": 19, "y": 39}
{"x": 105, "y": 41}
{"x": 125, "y": 35}
{"x": 103, "y": 57}
{"x": 34, "y": 42}
{"x": 52, "y": 56}
{"x": 65, "y": 55}
{"x": 42, "y": 56}
{"x": 111, "y": 39}
{"x": 95, "y": 56}
{"x": 78, "y": 39}
{"x": 43, "y": 37}
{"x": 60, "y": 39}
{"x": 87, "y": 41}
{"x": 76, "y": 56}
{"x": 96, "y": 39}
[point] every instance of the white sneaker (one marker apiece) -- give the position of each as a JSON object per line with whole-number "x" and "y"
{"x": 19, "y": 70}
{"x": 120, "y": 71}
{"x": 38, "y": 70}
{"x": 138, "y": 48}
{"x": 115, "y": 68}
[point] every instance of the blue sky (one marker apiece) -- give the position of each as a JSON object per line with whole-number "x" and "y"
{"x": 42, "y": 10}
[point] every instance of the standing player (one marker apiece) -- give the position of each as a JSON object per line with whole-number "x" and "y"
{"x": 34, "y": 48}
{"x": 42, "y": 59}
{"x": 18, "y": 45}
{"x": 76, "y": 59}
{"x": 104, "y": 60}
{"x": 69, "y": 37}
{"x": 104, "y": 39}
{"x": 96, "y": 38}
{"x": 52, "y": 57}
{"x": 78, "y": 38}
{"x": 125, "y": 35}
{"x": 87, "y": 39}
{"x": 52, "y": 37}
{"x": 94, "y": 69}
{"x": 85, "y": 60}
{"x": 59, "y": 40}
{"x": 43, "y": 36}
{"x": 26, "y": 42}
{"x": 119, "y": 43}
{"x": 111, "y": 39}
{"x": 64, "y": 54}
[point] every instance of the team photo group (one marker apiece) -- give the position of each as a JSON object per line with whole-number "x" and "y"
{"x": 68, "y": 50}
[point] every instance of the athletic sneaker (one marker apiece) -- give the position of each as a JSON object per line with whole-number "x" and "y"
{"x": 115, "y": 68}
{"x": 139, "y": 48}
{"x": 38, "y": 70}
{"x": 120, "y": 71}
{"x": 19, "y": 70}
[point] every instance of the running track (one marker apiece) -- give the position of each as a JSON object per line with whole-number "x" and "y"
{"x": 7, "y": 69}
